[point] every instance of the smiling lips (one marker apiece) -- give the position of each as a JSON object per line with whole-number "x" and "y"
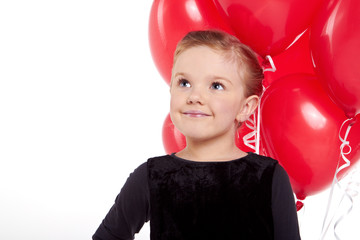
{"x": 195, "y": 114}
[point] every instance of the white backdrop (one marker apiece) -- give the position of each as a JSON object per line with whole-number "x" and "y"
{"x": 81, "y": 106}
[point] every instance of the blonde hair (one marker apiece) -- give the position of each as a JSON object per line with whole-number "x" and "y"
{"x": 250, "y": 70}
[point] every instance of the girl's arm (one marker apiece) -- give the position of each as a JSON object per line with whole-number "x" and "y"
{"x": 283, "y": 207}
{"x": 130, "y": 210}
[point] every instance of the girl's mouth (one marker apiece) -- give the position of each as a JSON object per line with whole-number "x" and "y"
{"x": 195, "y": 113}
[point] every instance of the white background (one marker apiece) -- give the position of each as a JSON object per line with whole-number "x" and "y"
{"x": 81, "y": 106}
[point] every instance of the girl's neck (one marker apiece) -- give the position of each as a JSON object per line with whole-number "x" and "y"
{"x": 210, "y": 151}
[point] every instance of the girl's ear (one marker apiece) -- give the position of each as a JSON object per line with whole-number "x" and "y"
{"x": 247, "y": 108}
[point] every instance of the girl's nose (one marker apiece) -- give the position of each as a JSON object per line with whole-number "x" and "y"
{"x": 195, "y": 97}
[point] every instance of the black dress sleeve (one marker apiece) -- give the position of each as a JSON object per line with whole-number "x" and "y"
{"x": 283, "y": 207}
{"x": 130, "y": 210}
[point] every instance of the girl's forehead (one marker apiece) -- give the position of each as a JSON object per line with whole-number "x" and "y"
{"x": 200, "y": 48}
{"x": 204, "y": 52}
{"x": 223, "y": 58}
{"x": 203, "y": 61}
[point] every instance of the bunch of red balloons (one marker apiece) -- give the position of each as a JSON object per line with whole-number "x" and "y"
{"x": 315, "y": 45}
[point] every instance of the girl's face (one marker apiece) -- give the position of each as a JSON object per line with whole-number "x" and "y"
{"x": 207, "y": 95}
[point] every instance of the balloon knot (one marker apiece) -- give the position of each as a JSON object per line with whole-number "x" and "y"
{"x": 352, "y": 121}
{"x": 299, "y": 205}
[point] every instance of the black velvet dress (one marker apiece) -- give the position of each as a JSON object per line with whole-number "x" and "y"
{"x": 188, "y": 200}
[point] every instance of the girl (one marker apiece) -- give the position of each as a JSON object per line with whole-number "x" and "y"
{"x": 211, "y": 189}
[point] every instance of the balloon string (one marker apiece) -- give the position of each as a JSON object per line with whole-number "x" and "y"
{"x": 324, "y": 230}
{"x": 268, "y": 61}
{"x": 354, "y": 183}
{"x": 259, "y": 116}
{"x": 344, "y": 143}
{"x": 258, "y": 129}
{"x": 351, "y": 191}
{"x": 343, "y": 215}
{"x": 250, "y": 138}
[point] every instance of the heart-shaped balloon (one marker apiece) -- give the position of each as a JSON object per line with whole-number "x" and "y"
{"x": 268, "y": 26}
{"x": 300, "y": 127}
{"x": 170, "y": 20}
{"x": 335, "y": 47}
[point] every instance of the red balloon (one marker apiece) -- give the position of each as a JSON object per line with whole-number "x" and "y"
{"x": 170, "y": 20}
{"x": 268, "y": 26}
{"x": 295, "y": 59}
{"x": 335, "y": 46}
{"x": 300, "y": 127}
{"x": 173, "y": 140}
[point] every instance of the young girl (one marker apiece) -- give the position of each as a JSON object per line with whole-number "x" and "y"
{"x": 211, "y": 189}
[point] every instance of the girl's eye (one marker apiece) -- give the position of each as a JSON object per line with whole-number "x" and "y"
{"x": 217, "y": 86}
{"x": 184, "y": 83}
